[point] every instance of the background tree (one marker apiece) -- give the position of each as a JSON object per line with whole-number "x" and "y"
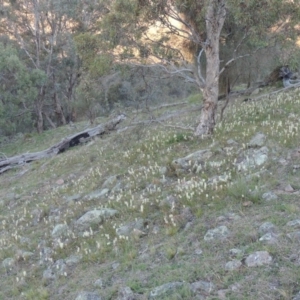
{"x": 43, "y": 29}
{"x": 206, "y": 26}
{"x": 19, "y": 85}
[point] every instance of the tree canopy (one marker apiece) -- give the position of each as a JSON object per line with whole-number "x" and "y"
{"x": 64, "y": 57}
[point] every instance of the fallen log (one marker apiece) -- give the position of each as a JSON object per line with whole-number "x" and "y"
{"x": 62, "y": 146}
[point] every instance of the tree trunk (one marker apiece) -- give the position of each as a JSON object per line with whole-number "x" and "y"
{"x": 59, "y": 111}
{"x": 39, "y": 110}
{"x": 215, "y": 17}
{"x": 40, "y": 119}
{"x": 62, "y": 146}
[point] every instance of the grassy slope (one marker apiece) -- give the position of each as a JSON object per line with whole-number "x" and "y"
{"x": 32, "y": 204}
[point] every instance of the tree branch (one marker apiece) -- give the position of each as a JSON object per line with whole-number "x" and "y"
{"x": 199, "y": 66}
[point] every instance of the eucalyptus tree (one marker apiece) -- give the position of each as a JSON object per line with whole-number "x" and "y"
{"x": 18, "y": 86}
{"x": 44, "y": 30}
{"x": 205, "y": 25}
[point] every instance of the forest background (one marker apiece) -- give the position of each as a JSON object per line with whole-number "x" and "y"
{"x": 66, "y": 60}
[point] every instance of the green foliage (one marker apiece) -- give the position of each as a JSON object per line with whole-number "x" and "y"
{"x": 195, "y": 98}
{"x": 95, "y": 64}
{"x": 245, "y": 190}
{"x": 18, "y": 89}
{"x": 89, "y": 94}
{"x": 37, "y": 294}
{"x": 177, "y": 138}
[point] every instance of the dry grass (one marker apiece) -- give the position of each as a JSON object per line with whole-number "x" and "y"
{"x": 32, "y": 204}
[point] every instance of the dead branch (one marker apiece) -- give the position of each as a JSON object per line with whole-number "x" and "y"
{"x": 168, "y": 116}
{"x": 168, "y": 105}
{"x": 275, "y": 92}
{"x": 62, "y": 146}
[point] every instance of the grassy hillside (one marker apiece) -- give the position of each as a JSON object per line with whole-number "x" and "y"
{"x": 153, "y": 236}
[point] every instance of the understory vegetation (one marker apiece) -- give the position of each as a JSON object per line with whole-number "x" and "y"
{"x": 170, "y": 209}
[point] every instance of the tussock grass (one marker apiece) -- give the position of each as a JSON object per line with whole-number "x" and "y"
{"x": 32, "y": 204}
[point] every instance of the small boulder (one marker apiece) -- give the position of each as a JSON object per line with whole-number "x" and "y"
{"x": 218, "y": 233}
{"x": 93, "y": 217}
{"x": 8, "y": 263}
{"x": 97, "y": 194}
{"x": 88, "y": 296}
{"x": 138, "y": 227}
{"x": 252, "y": 158}
{"x": 294, "y": 236}
{"x": 233, "y": 265}
{"x": 125, "y": 293}
{"x": 60, "y": 230}
{"x": 202, "y": 287}
{"x": 258, "y": 258}
{"x": 267, "y": 227}
{"x": 294, "y": 223}
{"x": 269, "y": 196}
{"x": 73, "y": 260}
{"x": 165, "y": 289}
{"x": 257, "y": 141}
{"x": 192, "y": 160}
{"x": 269, "y": 238}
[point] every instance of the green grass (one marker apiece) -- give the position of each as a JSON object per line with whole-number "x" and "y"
{"x": 34, "y": 203}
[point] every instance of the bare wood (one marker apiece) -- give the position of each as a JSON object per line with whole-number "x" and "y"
{"x": 168, "y": 105}
{"x": 274, "y": 92}
{"x": 63, "y": 145}
{"x": 169, "y": 116}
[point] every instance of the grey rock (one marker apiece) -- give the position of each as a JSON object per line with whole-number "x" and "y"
{"x": 25, "y": 240}
{"x": 49, "y": 275}
{"x": 118, "y": 187}
{"x": 8, "y": 263}
{"x": 192, "y": 160}
{"x": 125, "y": 293}
{"x": 10, "y": 196}
{"x": 231, "y": 142}
{"x": 297, "y": 297}
{"x": 59, "y": 267}
{"x": 165, "y": 289}
{"x": 256, "y": 92}
{"x": 170, "y": 201}
{"x": 45, "y": 255}
{"x": 288, "y": 188}
{"x": 198, "y": 251}
{"x": 294, "y": 223}
{"x": 258, "y": 258}
{"x": 73, "y": 260}
{"x": 88, "y": 296}
{"x": 115, "y": 265}
{"x": 94, "y": 217}
{"x": 235, "y": 252}
{"x": 267, "y": 227}
{"x": 220, "y": 232}
{"x": 294, "y": 236}
{"x": 257, "y": 141}
{"x": 38, "y": 215}
{"x": 60, "y": 230}
{"x": 73, "y": 199}
{"x": 110, "y": 182}
{"x": 97, "y": 194}
{"x": 202, "y": 286}
{"x": 24, "y": 255}
{"x": 163, "y": 170}
{"x": 228, "y": 217}
{"x": 233, "y": 265}
{"x": 140, "y": 225}
{"x": 269, "y": 196}
{"x": 99, "y": 283}
{"x": 269, "y": 238}
{"x": 252, "y": 158}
